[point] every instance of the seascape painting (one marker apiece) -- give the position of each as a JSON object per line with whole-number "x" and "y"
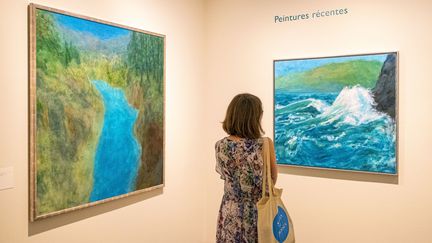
{"x": 96, "y": 111}
{"x": 337, "y": 112}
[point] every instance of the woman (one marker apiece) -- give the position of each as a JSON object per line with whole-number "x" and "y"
{"x": 239, "y": 162}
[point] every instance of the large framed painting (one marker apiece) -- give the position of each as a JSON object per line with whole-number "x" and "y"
{"x": 96, "y": 111}
{"x": 337, "y": 112}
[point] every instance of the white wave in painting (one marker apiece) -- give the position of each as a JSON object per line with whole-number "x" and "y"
{"x": 353, "y": 106}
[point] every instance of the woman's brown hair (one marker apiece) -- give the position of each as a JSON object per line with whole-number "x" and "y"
{"x": 243, "y": 117}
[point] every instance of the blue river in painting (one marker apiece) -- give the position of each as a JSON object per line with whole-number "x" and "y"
{"x": 118, "y": 152}
{"x": 334, "y": 130}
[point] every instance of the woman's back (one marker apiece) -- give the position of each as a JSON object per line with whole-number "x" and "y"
{"x": 240, "y": 164}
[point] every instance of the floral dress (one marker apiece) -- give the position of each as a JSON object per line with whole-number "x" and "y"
{"x": 240, "y": 164}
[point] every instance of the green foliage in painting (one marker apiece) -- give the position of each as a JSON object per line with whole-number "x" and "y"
{"x": 145, "y": 58}
{"x": 48, "y": 41}
{"x": 70, "y": 53}
{"x": 69, "y": 114}
{"x": 332, "y": 77}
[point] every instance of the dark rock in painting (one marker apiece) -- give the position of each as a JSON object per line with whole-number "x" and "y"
{"x": 385, "y": 89}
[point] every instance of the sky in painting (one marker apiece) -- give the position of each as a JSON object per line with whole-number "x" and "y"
{"x": 295, "y": 66}
{"x": 99, "y": 30}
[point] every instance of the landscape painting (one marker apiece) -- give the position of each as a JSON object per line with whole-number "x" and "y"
{"x": 96, "y": 111}
{"x": 337, "y": 112}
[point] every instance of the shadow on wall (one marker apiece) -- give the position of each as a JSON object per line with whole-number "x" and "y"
{"x": 50, "y": 223}
{"x": 339, "y": 174}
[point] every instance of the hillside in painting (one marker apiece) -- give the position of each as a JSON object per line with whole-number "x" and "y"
{"x": 332, "y": 77}
{"x": 71, "y": 109}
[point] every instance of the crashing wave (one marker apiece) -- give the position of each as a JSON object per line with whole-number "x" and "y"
{"x": 318, "y": 105}
{"x": 353, "y": 106}
{"x": 348, "y": 134}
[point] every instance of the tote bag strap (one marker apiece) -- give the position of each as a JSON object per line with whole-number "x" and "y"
{"x": 267, "y": 169}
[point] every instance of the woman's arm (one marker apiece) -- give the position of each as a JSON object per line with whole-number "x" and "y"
{"x": 274, "y": 170}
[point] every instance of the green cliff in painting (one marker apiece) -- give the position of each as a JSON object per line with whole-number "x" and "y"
{"x": 145, "y": 92}
{"x": 332, "y": 77}
{"x": 69, "y": 114}
{"x": 70, "y": 110}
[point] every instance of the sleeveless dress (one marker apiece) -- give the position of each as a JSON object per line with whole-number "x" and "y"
{"x": 240, "y": 165}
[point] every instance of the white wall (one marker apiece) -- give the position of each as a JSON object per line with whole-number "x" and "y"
{"x": 216, "y": 49}
{"x": 330, "y": 207}
{"x": 174, "y": 215}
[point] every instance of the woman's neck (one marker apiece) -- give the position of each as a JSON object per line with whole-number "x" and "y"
{"x": 235, "y": 137}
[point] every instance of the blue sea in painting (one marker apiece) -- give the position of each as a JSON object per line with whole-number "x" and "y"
{"x": 118, "y": 152}
{"x": 334, "y": 130}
